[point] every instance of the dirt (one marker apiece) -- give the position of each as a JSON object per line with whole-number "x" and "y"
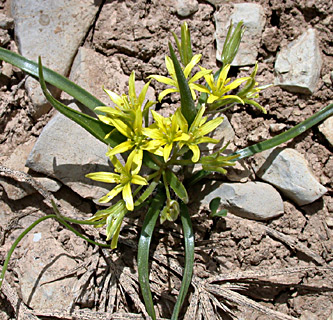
{"x": 231, "y": 254}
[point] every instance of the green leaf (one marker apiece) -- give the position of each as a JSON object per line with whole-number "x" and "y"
{"x": 189, "y": 259}
{"x": 94, "y": 126}
{"x": 53, "y": 78}
{"x": 150, "y": 189}
{"x": 143, "y": 250}
{"x": 285, "y": 136}
{"x": 186, "y": 101}
{"x": 176, "y": 185}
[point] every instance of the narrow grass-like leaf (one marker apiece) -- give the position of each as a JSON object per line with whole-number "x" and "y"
{"x": 189, "y": 259}
{"x": 94, "y": 126}
{"x": 143, "y": 250}
{"x": 176, "y": 186}
{"x": 186, "y": 101}
{"x": 285, "y": 136}
{"x": 150, "y": 189}
{"x": 53, "y": 78}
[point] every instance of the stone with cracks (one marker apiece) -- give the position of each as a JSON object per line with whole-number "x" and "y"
{"x": 54, "y": 31}
{"x": 289, "y": 172}
{"x": 298, "y": 66}
{"x": 253, "y": 16}
{"x": 251, "y": 200}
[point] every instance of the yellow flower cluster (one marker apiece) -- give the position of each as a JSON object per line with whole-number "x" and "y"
{"x": 168, "y": 137}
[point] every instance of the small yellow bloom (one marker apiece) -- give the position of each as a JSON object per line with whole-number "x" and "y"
{"x": 218, "y": 89}
{"x": 197, "y": 131}
{"x": 187, "y": 71}
{"x": 125, "y": 176}
{"x": 165, "y": 132}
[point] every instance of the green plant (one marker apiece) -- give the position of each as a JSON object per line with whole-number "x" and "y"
{"x": 160, "y": 146}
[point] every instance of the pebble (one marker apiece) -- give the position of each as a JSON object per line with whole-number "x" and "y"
{"x": 277, "y": 127}
{"x": 289, "y": 172}
{"x": 187, "y": 7}
{"x": 253, "y": 16}
{"x": 298, "y": 65}
{"x": 326, "y": 128}
{"x": 56, "y": 34}
{"x": 250, "y": 200}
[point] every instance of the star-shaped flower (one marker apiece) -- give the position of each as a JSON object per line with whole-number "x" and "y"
{"x": 165, "y": 132}
{"x": 217, "y": 89}
{"x": 126, "y": 176}
{"x": 187, "y": 71}
{"x": 197, "y": 131}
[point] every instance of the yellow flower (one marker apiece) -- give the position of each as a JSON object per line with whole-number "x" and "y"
{"x": 218, "y": 89}
{"x": 197, "y": 131}
{"x": 165, "y": 132}
{"x": 187, "y": 71}
{"x": 126, "y": 105}
{"x": 251, "y": 90}
{"x": 135, "y": 138}
{"x": 126, "y": 176}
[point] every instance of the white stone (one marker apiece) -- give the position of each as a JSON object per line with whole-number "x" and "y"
{"x": 326, "y": 128}
{"x": 251, "y": 200}
{"x": 298, "y": 65}
{"x": 187, "y": 7}
{"x": 253, "y": 16}
{"x": 289, "y": 172}
{"x": 54, "y": 31}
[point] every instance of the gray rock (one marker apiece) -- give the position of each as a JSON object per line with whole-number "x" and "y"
{"x": 326, "y": 128}
{"x": 288, "y": 171}
{"x": 187, "y": 7}
{"x": 253, "y": 16}
{"x": 224, "y": 133}
{"x": 43, "y": 260}
{"x": 67, "y": 152}
{"x": 18, "y": 190}
{"x": 54, "y": 31}
{"x": 6, "y": 23}
{"x": 298, "y": 65}
{"x": 251, "y": 200}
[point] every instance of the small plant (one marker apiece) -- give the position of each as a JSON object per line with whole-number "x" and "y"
{"x": 160, "y": 146}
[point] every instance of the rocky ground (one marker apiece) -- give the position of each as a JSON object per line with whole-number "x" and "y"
{"x": 271, "y": 257}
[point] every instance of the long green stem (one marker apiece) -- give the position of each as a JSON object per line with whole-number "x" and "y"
{"x": 143, "y": 250}
{"x": 189, "y": 259}
{"x": 285, "y": 136}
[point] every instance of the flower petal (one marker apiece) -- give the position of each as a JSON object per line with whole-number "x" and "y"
{"x": 120, "y": 148}
{"x": 165, "y": 93}
{"x": 195, "y": 59}
{"x": 210, "y": 126}
{"x": 131, "y": 86}
{"x": 127, "y": 196}
{"x": 166, "y": 151}
{"x": 114, "y": 192}
{"x": 107, "y": 177}
{"x": 196, "y": 152}
{"x": 164, "y": 79}
{"x": 136, "y": 179}
{"x": 115, "y": 98}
